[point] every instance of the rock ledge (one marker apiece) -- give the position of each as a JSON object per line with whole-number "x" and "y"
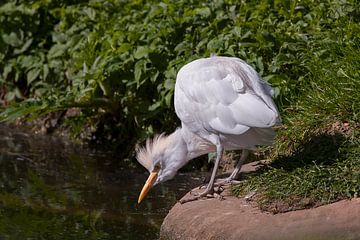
{"x": 234, "y": 218}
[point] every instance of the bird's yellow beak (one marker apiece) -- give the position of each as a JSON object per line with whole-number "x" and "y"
{"x": 148, "y": 184}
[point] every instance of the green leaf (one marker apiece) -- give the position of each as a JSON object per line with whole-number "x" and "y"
{"x": 7, "y": 70}
{"x": 205, "y": 11}
{"x": 32, "y": 75}
{"x": 12, "y": 39}
{"x": 56, "y": 51}
{"x": 27, "y": 61}
{"x": 10, "y": 96}
{"x": 45, "y": 71}
{"x": 124, "y": 47}
{"x": 215, "y": 45}
{"x": 154, "y": 106}
{"x": 139, "y": 66}
{"x": 141, "y": 52}
{"x": 169, "y": 83}
{"x": 24, "y": 47}
{"x": 90, "y": 13}
{"x": 168, "y": 98}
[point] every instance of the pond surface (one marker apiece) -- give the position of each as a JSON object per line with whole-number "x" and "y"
{"x": 51, "y": 189}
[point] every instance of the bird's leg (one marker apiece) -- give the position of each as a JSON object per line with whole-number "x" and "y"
{"x": 210, "y": 187}
{"x": 234, "y": 174}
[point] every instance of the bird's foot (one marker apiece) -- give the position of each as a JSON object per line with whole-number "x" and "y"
{"x": 208, "y": 193}
{"x": 222, "y": 182}
{"x": 225, "y": 181}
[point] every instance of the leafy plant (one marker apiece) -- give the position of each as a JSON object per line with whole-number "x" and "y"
{"x": 316, "y": 156}
{"x": 117, "y": 60}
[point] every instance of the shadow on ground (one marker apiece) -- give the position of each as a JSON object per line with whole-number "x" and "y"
{"x": 321, "y": 149}
{"x": 301, "y": 179}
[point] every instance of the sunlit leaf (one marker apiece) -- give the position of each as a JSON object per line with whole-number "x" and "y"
{"x": 141, "y": 52}
{"x": 57, "y": 51}
{"x": 12, "y": 39}
{"x": 32, "y": 75}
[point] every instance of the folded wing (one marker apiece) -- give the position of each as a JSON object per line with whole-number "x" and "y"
{"x": 223, "y": 95}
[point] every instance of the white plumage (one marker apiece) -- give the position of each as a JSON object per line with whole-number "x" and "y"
{"x": 223, "y": 104}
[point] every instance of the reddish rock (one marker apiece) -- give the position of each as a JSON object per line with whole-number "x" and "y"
{"x": 234, "y": 218}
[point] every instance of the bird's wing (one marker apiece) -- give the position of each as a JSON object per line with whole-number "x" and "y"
{"x": 218, "y": 98}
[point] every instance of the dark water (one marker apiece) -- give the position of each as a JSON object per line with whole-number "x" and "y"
{"x": 50, "y": 189}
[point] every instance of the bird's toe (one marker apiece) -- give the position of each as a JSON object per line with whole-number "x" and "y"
{"x": 208, "y": 193}
{"x": 225, "y": 182}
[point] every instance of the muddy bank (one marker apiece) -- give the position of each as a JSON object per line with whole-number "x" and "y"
{"x": 235, "y": 218}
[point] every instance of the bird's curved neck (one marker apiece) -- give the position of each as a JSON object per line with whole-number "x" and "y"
{"x": 196, "y": 146}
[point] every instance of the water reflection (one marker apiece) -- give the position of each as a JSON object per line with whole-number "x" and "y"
{"x": 50, "y": 189}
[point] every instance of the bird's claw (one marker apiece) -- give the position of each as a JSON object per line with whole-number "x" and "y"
{"x": 222, "y": 182}
{"x": 225, "y": 182}
{"x": 209, "y": 193}
{"x": 219, "y": 196}
{"x": 204, "y": 185}
{"x": 196, "y": 197}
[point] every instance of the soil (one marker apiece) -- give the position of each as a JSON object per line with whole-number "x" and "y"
{"x": 238, "y": 218}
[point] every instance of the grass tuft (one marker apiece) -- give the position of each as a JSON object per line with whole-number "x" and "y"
{"x": 316, "y": 158}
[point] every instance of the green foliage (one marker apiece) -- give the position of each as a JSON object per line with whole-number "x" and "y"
{"x": 316, "y": 156}
{"x": 117, "y": 60}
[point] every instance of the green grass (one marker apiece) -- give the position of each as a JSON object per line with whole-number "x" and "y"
{"x": 316, "y": 156}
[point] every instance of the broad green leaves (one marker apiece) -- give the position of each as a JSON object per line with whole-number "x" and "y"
{"x": 128, "y": 52}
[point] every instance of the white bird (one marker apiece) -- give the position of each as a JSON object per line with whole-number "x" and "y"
{"x": 223, "y": 104}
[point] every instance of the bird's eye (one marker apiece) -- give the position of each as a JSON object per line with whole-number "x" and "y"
{"x": 157, "y": 167}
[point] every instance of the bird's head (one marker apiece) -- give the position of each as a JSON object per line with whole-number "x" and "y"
{"x": 162, "y": 156}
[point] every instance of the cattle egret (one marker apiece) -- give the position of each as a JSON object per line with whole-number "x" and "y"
{"x": 223, "y": 104}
